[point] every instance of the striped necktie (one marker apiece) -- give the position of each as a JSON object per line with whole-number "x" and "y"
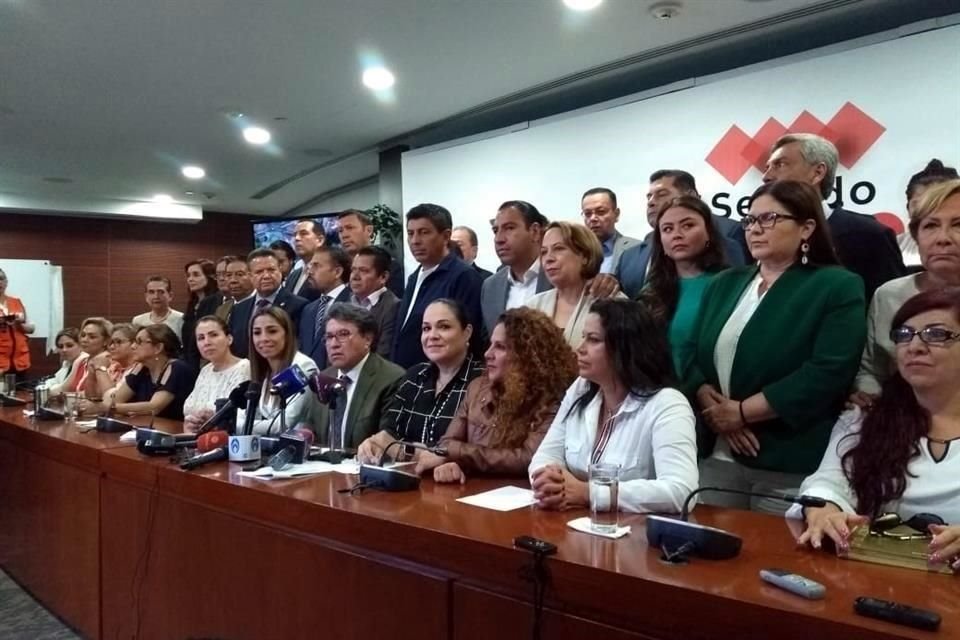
{"x": 319, "y": 324}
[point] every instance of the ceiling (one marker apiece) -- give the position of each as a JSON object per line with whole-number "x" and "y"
{"x": 110, "y": 99}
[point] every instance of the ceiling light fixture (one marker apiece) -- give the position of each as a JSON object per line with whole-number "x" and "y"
{"x": 256, "y": 135}
{"x": 582, "y": 5}
{"x": 666, "y": 10}
{"x": 162, "y": 198}
{"x": 378, "y": 78}
{"x": 193, "y": 172}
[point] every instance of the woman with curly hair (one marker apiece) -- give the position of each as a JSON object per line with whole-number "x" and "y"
{"x": 507, "y": 411}
{"x": 620, "y": 411}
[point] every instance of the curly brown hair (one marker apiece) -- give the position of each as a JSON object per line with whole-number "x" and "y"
{"x": 542, "y": 366}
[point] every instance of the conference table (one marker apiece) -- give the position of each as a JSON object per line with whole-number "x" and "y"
{"x": 121, "y": 545}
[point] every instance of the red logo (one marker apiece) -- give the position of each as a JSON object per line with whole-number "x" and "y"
{"x": 850, "y": 129}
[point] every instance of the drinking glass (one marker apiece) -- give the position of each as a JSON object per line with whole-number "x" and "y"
{"x": 71, "y": 405}
{"x": 604, "y": 486}
{"x": 10, "y": 382}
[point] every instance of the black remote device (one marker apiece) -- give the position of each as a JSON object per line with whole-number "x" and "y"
{"x": 535, "y": 545}
{"x": 897, "y": 613}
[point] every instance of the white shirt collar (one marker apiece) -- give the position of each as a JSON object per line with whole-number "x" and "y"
{"x": 373, "y": 298}
{"x": 354, "y": 374}
{"x": 530, "y": 274}
{"x": 336, "y": 291}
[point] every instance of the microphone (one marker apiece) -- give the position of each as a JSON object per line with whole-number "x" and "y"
{"x": 288, "y": 382}
{"x": 212, "y": 440}
{"x": 707, "y": 542}
{"x": 326, "y": 388}
{"x": 253, "y": 396}
{"x": 215, "y": 455}
{"x": 295, "y": 446}
{"x": 376, "y": 476}
{"x": 234, "y": 400}
{"x": 439, "y": 451}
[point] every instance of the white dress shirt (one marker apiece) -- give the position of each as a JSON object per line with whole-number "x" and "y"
{"x": 519, "y": 292}
{"x": 931, "y": 487}
{"x": 354, "y": 375}
{"x": 371, "y": 300}
{"x": 653, "y": 440}
{"x": 422, "y": 275}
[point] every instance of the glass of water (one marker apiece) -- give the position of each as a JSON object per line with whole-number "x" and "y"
{"x": 604, "y": 493}
{"x": 10, "y": 382}
{"x": 71, "y": 406}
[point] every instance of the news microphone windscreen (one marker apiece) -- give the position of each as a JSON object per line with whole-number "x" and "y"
{"x": 325, "y": 387}
{"x": 305, "y": 432}
{"x": 239, "y": 394}
{"x": 212, "y": 440}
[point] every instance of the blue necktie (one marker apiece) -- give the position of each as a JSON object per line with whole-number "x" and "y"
{"x": 318, "y": 327}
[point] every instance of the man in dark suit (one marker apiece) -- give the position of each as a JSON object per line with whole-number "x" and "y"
{"x": 600, "y": 212}
{"x": 356, "y": 232}
{"x": 239, "y": 286}
{"x": 665, "y": 185}
{"x": 517, "y": 233}
{"x": 308, "y": 236}
{"x": 265, "y": 272}
{"x": 864, "y": 246}
{"x": 440, "y": 275}
{"x": 209, "y": 304}
{"x": 329, "y": 269}
{"x": 369, "y": 381}
{"x": 466, "y": 239}
{"x": 368, "y": 282}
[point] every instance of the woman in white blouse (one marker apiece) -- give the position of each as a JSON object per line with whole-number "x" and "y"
{"x": 570, "y": 256}
{"x": 903, "y": 455}
{"x": 275, "y": 349}
{"x": 935, "y": 225}
{"x": 222, "y": 373}
{"x": 620, "y": 411}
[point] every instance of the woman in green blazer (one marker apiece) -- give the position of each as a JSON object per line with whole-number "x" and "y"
{"x": 777, "y": 348}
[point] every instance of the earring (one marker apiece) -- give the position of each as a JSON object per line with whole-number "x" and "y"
{"x": 805, "y": 250}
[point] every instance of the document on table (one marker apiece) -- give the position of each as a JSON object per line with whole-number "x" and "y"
{"x": 308, "y": 468}
{"x": 502, "y": 499}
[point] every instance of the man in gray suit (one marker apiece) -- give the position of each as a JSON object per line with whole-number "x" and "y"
{"x": 600, "y": 214}
{"x": 665, "y": 185}
{"x": 368, "y": 282}
{"x": 517, "y": 233}
{"x": 369, "y": 381}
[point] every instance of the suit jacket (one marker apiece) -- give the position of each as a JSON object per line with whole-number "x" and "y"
{"x": 243, "y": 312}
{"x": 484, "y": 274}
{"x": 494, "y": 292}
{"x": 738, "y": 251}
{"x": 310, "y": 344}
{"x": 307, "y": 291}
{"x": 453, "y": 278}
{"x": 866, "y": 247}
{"x": 632, "y": 270}
{"x": 385, "y": 313}
{"x": 620, "y": 244}
{"x": 206, "y": 307}
{"x": 395, "y": 282}
{"x": 801, "y": 349}
{"x": 376, "y": 385}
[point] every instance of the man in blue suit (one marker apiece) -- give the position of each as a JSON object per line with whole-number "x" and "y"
{"x": 329, "y": 271}
{"x": 665, "y": 185}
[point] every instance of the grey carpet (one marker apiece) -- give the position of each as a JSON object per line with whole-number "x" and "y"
{"x": 23, "y": 618}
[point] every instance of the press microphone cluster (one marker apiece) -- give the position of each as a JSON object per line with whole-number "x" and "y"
{"x": 678, "y": 537}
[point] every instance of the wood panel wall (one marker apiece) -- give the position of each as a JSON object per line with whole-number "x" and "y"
{"x": 105, "y": 262}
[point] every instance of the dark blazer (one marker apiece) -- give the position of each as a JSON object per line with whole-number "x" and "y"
{"x": 385, "y": 313}
{"x": 243, "y": 311}
{"x": 395, "y": 282}
{"x": 453, "y": 278}
{"x": 484, "y": 274}
{"x": 631, "y": 271}
{"x": 493, "y": 295}
{"x": 307, "y": 341}
{"x": 307, "y": 291}
{"x": 866, "y": 247}
{"x": 801, "y": 349}
{"x": 738, "y": 251}
{"x": 206, "y": 307}
{"x": 376, "y": 386}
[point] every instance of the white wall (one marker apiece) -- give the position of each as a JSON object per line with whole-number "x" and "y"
{"x": 362, "y": 197}
{"x": 908, "y": 85}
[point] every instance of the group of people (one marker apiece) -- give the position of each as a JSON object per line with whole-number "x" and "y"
{"x": 790, "y": 351}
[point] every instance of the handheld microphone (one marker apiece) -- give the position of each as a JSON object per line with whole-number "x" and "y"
{"x": 212, "y": 440}
{"x": 234, "y": 400}
{"x": 294, "y": 448}
{"x": 215, "y": 455}
{"x": 326, "y": 388}
{"x": 707, "y": 542}
{"x": 253, "y": 396}
{"x": 288, "y": 382}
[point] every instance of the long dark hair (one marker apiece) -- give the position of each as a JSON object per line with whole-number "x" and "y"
{"x": 803, "y": 201}
{"x": 637, "y": 347}
{"x": 662, "y": 288}
{"x": 210, "y": 271}
{"x": 876, "y": 467}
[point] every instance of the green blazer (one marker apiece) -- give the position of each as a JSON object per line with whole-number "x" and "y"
{"x": 375, "y": 387}
{"x": 801, "y": 349}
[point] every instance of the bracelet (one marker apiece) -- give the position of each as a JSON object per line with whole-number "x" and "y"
{"x": 743, "y": 418}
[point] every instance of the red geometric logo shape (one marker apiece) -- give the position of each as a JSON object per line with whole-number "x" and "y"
{"x": 727, "y": 155}
{"x": 758, "y": 150}
{"x": 860, "y": 132}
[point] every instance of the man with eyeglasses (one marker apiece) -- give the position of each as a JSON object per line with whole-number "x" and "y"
{"x": 369, "y": 381}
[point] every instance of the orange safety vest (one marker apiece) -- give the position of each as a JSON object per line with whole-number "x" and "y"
{"x": 14, "y": 345}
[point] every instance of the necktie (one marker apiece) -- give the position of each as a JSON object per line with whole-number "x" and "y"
{"x": 339, "y": 415}
{"x": 319, "y": 321}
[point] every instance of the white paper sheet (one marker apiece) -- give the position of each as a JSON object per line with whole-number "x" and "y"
{"x": 583, "y": 524}
{"x": 502, "y": 499}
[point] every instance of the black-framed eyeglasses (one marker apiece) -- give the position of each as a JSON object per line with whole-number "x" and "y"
{"x": 340, "y": 336}
{"x": 766, "y": 219}
{"x": 928, "y": 335}
{"x": 883, "y": 524}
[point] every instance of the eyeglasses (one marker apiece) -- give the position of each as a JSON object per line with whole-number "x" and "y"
{"x": 928, "y": 335}
{"x": 340, "y": 336}
{"x": 766, "y": 220}
{"x": 920, "y": 522}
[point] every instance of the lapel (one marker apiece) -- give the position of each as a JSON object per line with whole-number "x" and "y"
{"x": 291, "y": 280}
{"x": 364, "y": 383}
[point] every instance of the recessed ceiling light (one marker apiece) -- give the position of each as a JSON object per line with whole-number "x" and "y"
{"x": 256, "y": 135}
{"x": 582, "y": 5}
{"x": 193, "y": 172}
{"x": 665, "y": 10}
{"x": 378, "y": 78}
{"x": 189, "y": 193}
{"x": 162, "y": 198}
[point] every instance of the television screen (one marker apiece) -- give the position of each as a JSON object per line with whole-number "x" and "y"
{"x": 267, "y": 230}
